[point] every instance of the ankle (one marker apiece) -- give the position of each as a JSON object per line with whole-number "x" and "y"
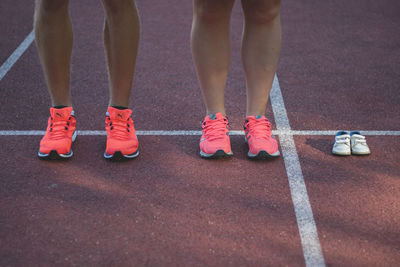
{"x": 113, "y": 103}
{"x": 215, "y": 111}
{"x": 255, "y": 113}
{"x": 61, "y": 104}
{"x": 120, "y": 107}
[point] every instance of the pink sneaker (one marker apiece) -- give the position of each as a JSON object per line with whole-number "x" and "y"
{"x": 121, "y": 137}
{"x": 259, "y": 138}
{"x": 215, "y": 142}
{"x": 60, "y": 133}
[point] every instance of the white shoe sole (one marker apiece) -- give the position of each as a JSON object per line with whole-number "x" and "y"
{"x": 341, "y": 153}
{"x": 360, "y": 153}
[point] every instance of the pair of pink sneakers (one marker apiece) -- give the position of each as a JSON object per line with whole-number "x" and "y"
{"x": 61, "y": 132}
{"x": 215, "y": 142}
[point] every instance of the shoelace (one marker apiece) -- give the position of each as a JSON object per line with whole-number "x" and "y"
{"x": 215, "y": 129}
{"x": 119, "y": 128}
{"x": 261, "y": 128}
{"x": 59, "y": 128}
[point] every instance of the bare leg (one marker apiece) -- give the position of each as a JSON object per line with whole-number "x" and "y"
{"x": 211, "y": 47}
{"x": 121, "y": 40}
{"x": 53, "y": 31}
{"x": 260, "y": 50}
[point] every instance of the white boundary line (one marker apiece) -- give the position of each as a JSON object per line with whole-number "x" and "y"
{"x": 333, "y": 133}
{"x": 198, "y": 133}
{"x": 7, "y": 65}
{"x": 305, "y": 220}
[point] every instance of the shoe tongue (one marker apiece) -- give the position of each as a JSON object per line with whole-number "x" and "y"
{"x": 123, "y": 114}
{"x": 342, "y": 133}
{"x": 255, "y": 117}
{"x": 60, "y": 113}
{"x": 215, "y": 116}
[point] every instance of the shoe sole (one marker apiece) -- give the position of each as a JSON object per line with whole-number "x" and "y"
{"x": 53, "y": 155}
{"x": 360, "y": 153}
{"x": 119, "y": 156}
{"x": 218, "y": 154}
{"x": 341, "y": 153}
{"x": 263, "y": 155}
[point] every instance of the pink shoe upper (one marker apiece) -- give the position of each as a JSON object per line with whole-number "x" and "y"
{"x": 259, "y": 135}
{"x": 215, "y": 134}
{"x": 121, "y": 134}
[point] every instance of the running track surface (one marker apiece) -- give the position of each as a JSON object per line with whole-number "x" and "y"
{"x": 338, "y": 70}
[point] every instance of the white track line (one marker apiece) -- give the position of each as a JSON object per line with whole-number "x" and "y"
{"x": 333, "y": 132}
{"x": 305, "y": 220}
{"x": 198, "y": 133}
{"x": 7, "y": 65}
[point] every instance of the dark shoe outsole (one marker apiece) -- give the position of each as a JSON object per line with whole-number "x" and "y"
{"x": 263, "y": 155}
{"x": 55, "y": 156}
{"x": 118, "y": 156}
{"x": 217, "y": 155}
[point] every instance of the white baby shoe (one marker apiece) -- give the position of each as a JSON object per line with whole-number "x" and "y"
{"x": 358, "y": 144}
{"x": 342, "y": 144}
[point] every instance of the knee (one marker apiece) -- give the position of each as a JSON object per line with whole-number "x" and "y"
{"x": 212, "y": 11}
{"x": 263, "y": 11}
{"x": 116, "y": 7}
{"x": 52, "y": 6}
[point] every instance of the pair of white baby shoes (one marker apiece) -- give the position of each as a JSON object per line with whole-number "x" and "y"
{"x": 350, "y": 143}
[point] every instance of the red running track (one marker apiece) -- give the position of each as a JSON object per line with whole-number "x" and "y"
{"x": 338, "y": 70}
